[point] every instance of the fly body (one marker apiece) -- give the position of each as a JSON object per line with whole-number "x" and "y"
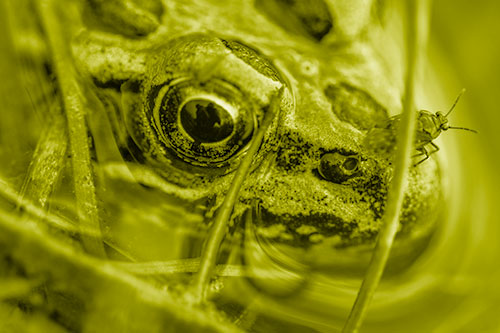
{"x": 429, "y": 127}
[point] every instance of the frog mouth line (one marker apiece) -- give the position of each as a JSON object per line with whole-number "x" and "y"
{"x": 326, "y": 243}
{"x": 305, "y": 231}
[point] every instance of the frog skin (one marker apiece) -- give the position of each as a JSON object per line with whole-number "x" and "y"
{"x": 315, "y": 192}
{"x": 328, "y": 108}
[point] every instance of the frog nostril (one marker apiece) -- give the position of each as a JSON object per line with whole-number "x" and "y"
{"x": 351, "y": 164}
{"x": 338, "y": 168}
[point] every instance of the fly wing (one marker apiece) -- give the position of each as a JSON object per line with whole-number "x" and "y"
{"x": 380, "y": 142}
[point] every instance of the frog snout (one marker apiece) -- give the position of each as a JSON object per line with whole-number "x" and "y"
{"x": 338, "y": 168}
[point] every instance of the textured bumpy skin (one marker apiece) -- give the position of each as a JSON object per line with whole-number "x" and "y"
{"x": 312, "y": 201}
{"x": 328, "y": 108}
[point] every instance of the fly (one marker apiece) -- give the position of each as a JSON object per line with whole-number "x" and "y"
{"x": 382, "y": 140}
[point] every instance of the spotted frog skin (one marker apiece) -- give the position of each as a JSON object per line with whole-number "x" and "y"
{"x": 301, "y": 191}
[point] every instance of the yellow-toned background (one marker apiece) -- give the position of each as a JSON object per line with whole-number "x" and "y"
{"x": 465, "y": 52}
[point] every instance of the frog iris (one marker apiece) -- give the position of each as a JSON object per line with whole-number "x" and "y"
{"x": 204, "y": 123}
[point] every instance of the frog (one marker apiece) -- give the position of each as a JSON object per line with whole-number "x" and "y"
{"x": 299, "y": 181}
{"x": 176, "y": 90}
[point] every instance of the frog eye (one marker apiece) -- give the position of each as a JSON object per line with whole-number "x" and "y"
{"x": 193, "y": 111}
{"x": 203, "y": 123}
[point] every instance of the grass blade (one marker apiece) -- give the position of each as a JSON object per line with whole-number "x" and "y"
{"x": 223, "y": 214}
{"x": 48, "y": 159}
{"x": 73, "y": 102}
{"x": 111, "y": 300}
{"x": 33, "y": 210}
{"x": 189, "y": 265}
{"x": 418, "y": 15}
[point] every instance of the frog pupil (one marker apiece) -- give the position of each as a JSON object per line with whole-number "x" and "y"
{"x": 206, "y": 121}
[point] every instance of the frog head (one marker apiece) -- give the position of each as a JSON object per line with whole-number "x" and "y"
{"x": 183, "y": 103}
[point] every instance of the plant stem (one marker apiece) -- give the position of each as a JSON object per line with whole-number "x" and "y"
{"x": 73, "y": 102}
{"x": 218, "y": 230}
{"x": 417, "y": 31}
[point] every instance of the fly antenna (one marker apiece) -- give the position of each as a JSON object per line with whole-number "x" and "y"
{"x": 463, "y": 128}
{"x": 456, "y": 101}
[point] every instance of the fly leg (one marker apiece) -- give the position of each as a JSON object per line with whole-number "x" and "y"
{"x": 436, "y": 148}
{"x": 423, "y": 151}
